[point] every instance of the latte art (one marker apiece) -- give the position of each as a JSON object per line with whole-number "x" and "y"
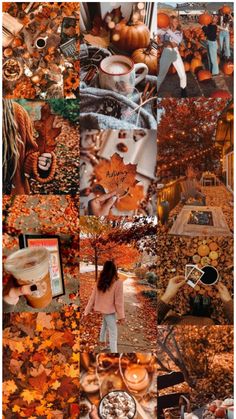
{"x": 117, "y": 67}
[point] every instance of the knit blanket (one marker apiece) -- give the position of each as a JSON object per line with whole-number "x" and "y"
{"x": 105, "y": 109}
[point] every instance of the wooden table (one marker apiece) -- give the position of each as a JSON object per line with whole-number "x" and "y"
{"x": 182, "y": 228}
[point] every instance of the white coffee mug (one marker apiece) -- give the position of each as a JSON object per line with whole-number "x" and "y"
{"x": 118, "y": 73}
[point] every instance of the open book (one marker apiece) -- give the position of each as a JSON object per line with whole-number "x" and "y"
{"x": 10, "y": 28}
{"x": 141, "y": 152}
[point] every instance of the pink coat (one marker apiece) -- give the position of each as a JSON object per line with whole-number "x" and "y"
{"x": 111, "y": 301}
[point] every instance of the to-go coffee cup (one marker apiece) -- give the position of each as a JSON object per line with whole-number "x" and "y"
{"x": 31, "y": 267}
{"x": 210, "y": 275}
{"x": 118, "y": 73}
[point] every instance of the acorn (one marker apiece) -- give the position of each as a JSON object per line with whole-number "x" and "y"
{"x": 122, "y": 147}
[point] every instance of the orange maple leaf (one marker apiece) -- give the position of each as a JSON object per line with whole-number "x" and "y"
{"x": 47, "y": 133}
{"x": 132, "y": 199}
{"x": 40, "y": 382}
{"x": 115, "y": 175}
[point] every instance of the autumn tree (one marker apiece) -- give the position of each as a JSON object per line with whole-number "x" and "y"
{"x": 121, "y": 239}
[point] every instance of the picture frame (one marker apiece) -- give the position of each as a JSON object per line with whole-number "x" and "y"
{"x": 53, "y": 245}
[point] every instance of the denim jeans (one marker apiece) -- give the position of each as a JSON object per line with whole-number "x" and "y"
{"x": 109, "y": 325}
{"x": 224, "y": 43}
{"x": 171, "y": 56}
{"x": 212, "y": 57}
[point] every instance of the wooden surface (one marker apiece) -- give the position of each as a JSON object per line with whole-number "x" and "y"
{"x": 182, "y": 228}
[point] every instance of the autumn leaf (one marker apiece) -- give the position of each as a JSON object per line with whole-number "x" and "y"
{"x": 115, "y": 175}
{"x": 43, "y": 321}
{"x": 40, "y": 382}
{"x": 132, "y": 199}
{"x": 29, "y": 395}
{"x": 47, "y": 133}
{"x": 9, "y": 387}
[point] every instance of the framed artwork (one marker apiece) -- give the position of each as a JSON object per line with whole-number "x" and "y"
{"x": 52, "y": 244}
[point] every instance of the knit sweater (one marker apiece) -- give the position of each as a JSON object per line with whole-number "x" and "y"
{"x": 28, "y": 151}
{"x": 111, "y": 301}
{"x": 164, "y": 308}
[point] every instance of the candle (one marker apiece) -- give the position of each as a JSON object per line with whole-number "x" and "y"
{"x": 136, "y": 377}
{"x": 144, "y": 358}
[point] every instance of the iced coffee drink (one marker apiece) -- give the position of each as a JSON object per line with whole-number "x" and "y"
{"x": 31, "y": 267}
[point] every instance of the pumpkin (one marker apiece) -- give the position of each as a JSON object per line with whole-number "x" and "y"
{"x": 221, "y": 94}
{"x": 147, "y": 56}
{"x": 196, "y": 63}
{"x": 228, "y": 68}
{"x": 205, "y": 19}
{"x": 172, "y": 70}
{"x": 203, "y": 75}
{"x": 226, "y": 10}
{"x": 130, "y": 36}
{"x": 163, "y": 20}
{"x": 203, "y": 250}
{"x": 186, "y": 66}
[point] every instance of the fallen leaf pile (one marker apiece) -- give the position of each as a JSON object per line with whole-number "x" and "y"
{"x": 47, "y": 72}
{"x": 115, "y": 175}
{"x": 41, "y": 365}
{"x": 173, "y": 253}
{"x": 55, "y": 214}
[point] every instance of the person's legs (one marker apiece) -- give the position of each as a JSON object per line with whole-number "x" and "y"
{"x": 179, "y": 65}
{"x": 165, "y": 63}
{"x": 112, "y": 331}
{"x": 221, "y": 40}
{"x": 103, "y": 332}
{"x": 212, "y": 48}
{"x": 227, "y": 44}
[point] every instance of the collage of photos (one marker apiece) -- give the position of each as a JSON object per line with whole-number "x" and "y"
{"x": 118, "y": 210}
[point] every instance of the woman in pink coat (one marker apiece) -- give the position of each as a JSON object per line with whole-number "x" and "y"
{"x": 108, "y": 298}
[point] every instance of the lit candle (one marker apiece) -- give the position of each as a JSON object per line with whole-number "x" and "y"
{"x": 136, "y": 377}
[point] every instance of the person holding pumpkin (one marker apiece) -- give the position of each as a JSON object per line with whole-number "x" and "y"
{"x": 210, "y": 32}
{"x": 171, "y": 37}
{"x": 224, "y": 24}
{"x": 20, "y": 151}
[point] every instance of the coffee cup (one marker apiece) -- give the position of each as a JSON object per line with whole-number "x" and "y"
{"x": 41, "y": 42}
{"x": 118, "y": 73}
{"x": 31, "y": 267}
{"x": 210, "y": 275}
{"x": 117, "y": 400}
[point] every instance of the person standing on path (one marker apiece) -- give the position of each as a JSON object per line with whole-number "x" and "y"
{"x": 224, "y": 36}
{"x": 108, "y": 299}
{"x": 210, "y": 32}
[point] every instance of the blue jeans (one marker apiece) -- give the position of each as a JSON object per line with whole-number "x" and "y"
{"x": 109, "y": 325}
{"x": 224, "y": 43}
{"x": 212, "y": 57}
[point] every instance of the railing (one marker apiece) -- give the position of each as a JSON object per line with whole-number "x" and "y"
{"x": 171, "y": 193}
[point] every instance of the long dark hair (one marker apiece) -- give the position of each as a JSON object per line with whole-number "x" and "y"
{"x": 108, "y": 274}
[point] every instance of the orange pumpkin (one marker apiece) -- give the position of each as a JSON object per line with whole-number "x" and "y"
{"x": 196, "y": 63}
{"x": 205, "y": 19}
{"x": 172, "y": 69}
{"x": 221, "y": 94}
{"x": 147, "y": 56}
{"x": 203, "y": 75}
{"x": 186, "y": 66}
{"x": 130, "y": 36}
{"x": 163, "y": 20}
{"x": 228, "y": 68}
{"x": 226, "y": 10}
